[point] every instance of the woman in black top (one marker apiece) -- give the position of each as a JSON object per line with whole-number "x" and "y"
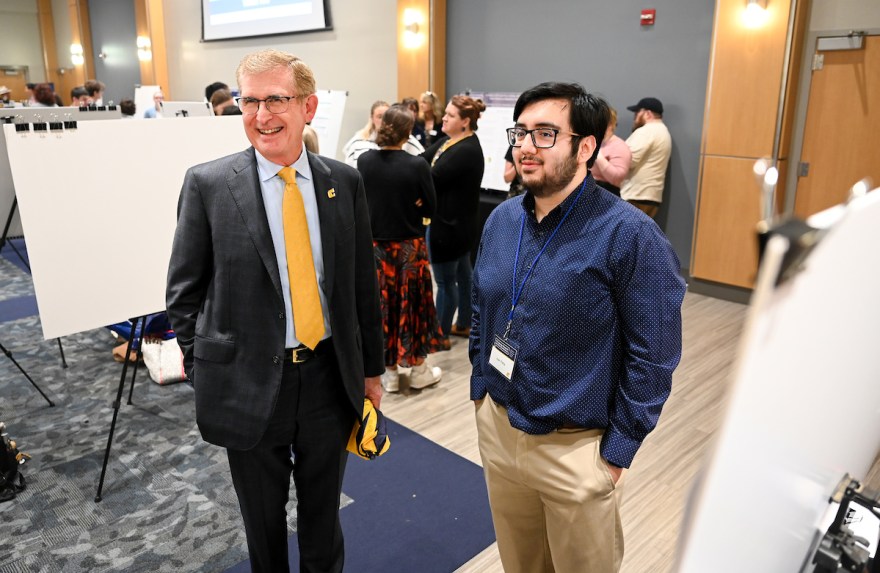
{"x": 457, "y": 170}
{"x": 400, "y": 194}
{"x": 430, "y": 114}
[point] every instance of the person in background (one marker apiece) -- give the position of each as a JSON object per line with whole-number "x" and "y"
{"x": 613, "y": 160}
{"x": 44, "y": 96}
{"x": 220, "y": 100}
{"x": 575, "y": 335}
{"x": 156, "y": 110}
{"x": 29, "y": 92}
{"x": 233, "y": 110}
{"x": 5, "y": 95}
{"x": 365, "y": 138}
{"x": 400, "y": 194}
{"x": 310, "y": 139}
{"x": 96, "y": 91}
{"x": 128, "y": 108}
{"x": 418, "y": 131}
{"x": 211, "y": 88}
{"x": 511, "y": 175}
{"x": 430, "y": 117}
{"x": 79, "y": 97}
{"x": 651, "y": 147}
{"x": 282, "y": 355}
{"x": 457, "y": 166}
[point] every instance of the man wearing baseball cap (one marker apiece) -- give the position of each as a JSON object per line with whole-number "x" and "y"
{"x": 4, "y": 95}
{"x": 651, "y": 145}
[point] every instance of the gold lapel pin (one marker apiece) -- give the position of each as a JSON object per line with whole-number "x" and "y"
{"x": 331, "y": 193}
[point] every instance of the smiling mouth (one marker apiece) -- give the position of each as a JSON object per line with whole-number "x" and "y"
{"x": 269, "y": 131}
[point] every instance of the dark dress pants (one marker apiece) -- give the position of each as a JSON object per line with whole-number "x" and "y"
{"x": 313, "y": 418}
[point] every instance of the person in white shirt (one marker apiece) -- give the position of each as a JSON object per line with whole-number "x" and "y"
{"x": 651, "y": 146}
{"x": 365, "y": 139}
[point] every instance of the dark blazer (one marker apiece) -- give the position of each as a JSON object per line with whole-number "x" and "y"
{"x": 457, "y": 175}
{"x": 224, "y": 295}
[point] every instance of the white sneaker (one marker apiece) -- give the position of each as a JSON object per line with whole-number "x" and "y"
{"x": 391, "y": 380}
{"x": 422, "y": 376}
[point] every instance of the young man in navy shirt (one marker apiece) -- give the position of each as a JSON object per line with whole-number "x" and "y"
{"x": 576, "y": 332}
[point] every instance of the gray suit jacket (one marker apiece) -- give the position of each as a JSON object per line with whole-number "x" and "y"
{"x": 224, "y": 295}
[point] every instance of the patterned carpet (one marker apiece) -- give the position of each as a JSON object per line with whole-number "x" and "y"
{"x": 168, "y": 502}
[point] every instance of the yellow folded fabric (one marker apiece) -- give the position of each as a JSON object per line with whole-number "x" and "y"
{"x": 369, "y": 439}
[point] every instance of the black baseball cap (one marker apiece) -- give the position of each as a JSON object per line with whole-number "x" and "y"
{"x": 648, "y": 103}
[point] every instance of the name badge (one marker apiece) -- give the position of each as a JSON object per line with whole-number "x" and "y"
{"x": 503, "y": 357}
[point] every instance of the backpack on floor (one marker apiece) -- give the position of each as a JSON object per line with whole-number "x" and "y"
{"x": 11, "y": 480}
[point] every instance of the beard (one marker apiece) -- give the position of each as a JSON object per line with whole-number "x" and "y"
{"x": 551, "y": 182}
{"x": 639, "y": 121}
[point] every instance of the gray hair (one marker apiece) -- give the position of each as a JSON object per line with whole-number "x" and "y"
{"x": 267, "y": 60}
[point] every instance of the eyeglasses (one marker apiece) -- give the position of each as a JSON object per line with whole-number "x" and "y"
{"x": 274, "y": 104}
{"x": 542, "y": 137}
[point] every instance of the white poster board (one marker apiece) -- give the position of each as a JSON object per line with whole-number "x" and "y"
{"x": 143, "y": 99}
{"x": 327, "y": 122}
{"x": 185, "y": 109}
{"x": 493, "y": 139}
{"x": 30, "y": 115}
{"x": 803, "y": 410}
{"x": 80, "y": 208}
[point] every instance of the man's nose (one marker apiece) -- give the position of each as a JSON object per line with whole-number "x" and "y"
{"x": 528, "y": 144}
{"x": 263, "y": 112}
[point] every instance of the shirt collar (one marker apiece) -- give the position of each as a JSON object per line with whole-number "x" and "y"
{"x": 267, "y": 169}
{"x": 528, "y": 202}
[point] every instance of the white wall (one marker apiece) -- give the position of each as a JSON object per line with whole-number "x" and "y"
{"x": 20, "y": 33}
{"x": 844, "y": 15}
{"x": 359, "y": 55}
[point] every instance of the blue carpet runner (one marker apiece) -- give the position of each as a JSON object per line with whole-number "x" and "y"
{"x": 419, "y": 508}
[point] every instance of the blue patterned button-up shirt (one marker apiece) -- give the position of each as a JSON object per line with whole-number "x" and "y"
{"x": 598, "y": 325}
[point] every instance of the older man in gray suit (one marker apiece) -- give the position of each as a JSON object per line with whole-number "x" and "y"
{"x": 272, "y": 292}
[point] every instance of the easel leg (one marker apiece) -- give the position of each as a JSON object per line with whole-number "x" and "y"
{"x": 137, "y": 362}
{"x": 17, "y": 365}
{"x": 116, "y": 405}
{"x": 3, "y": 240}
{"x": 61, "y": 350}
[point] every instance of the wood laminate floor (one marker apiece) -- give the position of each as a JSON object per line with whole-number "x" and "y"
{"x": 656, "y": 487}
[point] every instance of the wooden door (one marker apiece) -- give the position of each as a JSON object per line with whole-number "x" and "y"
{"x": 14, "y": 78}
{"x": 842, "y": 130}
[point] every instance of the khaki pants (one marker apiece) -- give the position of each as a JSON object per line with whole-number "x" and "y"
{"x": 553, "y": 501}
{"x": 649, "y": 208}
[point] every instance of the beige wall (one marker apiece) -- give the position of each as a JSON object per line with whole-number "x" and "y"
{"x": 20, "y": 38}
{"x": 844, "y": 15}
{"x": 359, "y": 55}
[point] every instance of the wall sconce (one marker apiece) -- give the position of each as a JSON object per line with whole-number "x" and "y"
{"x": 76, "y": 54}
{"x": 144, "y": 46}
{"x": 755, "y": 14}
{"x": 412, "y": 36}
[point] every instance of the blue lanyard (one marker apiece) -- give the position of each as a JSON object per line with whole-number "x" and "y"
{"x": 517, "y": 293}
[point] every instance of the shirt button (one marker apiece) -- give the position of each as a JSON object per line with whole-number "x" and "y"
{"x": 276, "y": 360}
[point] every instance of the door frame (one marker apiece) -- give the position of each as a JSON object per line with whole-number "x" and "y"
{"x": 803, "y": 97}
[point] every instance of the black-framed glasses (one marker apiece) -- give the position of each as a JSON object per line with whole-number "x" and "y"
{"x": 542, "y": 137}
{"x": 274, "y": 104}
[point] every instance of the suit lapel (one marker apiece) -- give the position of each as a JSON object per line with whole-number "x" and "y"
{"x": 244, "y": 185}
{"x": 324, "y": 183}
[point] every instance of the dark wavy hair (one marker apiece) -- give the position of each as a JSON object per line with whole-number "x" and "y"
{"x": 397, "y": 124}
{"x": 588, "y": 114}
{"x": 44, "y": 94}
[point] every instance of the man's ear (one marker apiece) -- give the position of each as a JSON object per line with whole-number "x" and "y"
{"x": 586, "y": 148}
{"x": 311, "y": 107}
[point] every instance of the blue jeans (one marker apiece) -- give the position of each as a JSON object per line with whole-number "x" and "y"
{"x": 453, "y": 292}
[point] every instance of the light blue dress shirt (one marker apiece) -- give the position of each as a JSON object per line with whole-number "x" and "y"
{"x": 272, "y": 188}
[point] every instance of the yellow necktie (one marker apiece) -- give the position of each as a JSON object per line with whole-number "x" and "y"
{"x": 308, "y": 320}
